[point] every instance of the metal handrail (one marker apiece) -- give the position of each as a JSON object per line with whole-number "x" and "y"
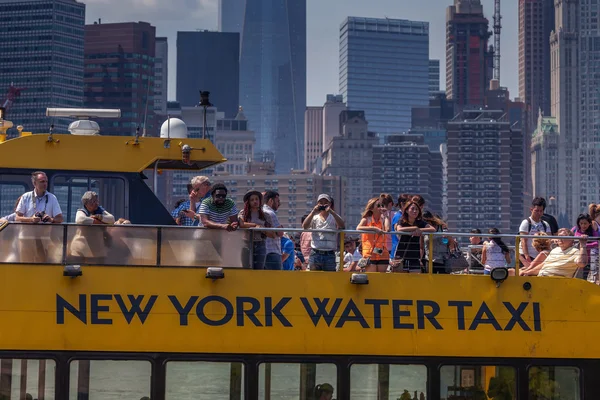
{"x": 340, "y": 232}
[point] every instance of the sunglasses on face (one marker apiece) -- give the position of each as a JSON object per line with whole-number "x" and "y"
{"x": 220, "y": 196}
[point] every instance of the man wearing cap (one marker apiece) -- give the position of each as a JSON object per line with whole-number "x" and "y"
{"x": 323, "y": 245}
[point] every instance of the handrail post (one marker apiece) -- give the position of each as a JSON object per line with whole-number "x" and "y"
{"x": 517, "y": 248}
{"x": 342, "y": 238}
{"x": 430, "y": 257}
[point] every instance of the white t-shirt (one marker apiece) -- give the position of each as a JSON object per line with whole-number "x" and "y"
{"x": 350, "y": 258}
{"x": 541, "y": 226}
{"x": 323, "y": 241}
{"x": 31, "y": 204}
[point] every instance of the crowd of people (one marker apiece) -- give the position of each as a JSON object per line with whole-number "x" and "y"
{"x": 378, "y": 249}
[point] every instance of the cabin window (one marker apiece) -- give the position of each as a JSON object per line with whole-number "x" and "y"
{"x": 191, "y": 380}
{"x": 70, "y": 189}
{"x": 554, "y": 383}
{"x": 11, "y": 187}
{"x": 295, "y": 381}
{"x": 107, "y": 379}
{"x": 477, "y": 382}
{"x": 22, "y": 377}
{"x": 385, "y": 381}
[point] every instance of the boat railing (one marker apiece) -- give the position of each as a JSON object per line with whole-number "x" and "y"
{"x": 167, "y": 246}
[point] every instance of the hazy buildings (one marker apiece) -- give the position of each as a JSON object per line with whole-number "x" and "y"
{"x": 565, "y": 106}
{"x": 589, "y": 106}
{"x": 405, "y": 164}
{"x": 313, "y": 136}
{"x": 485, "y": 172}
{"x": 536, "y": 22}
{"x": 384, "y": 70}
{"x": 544, "y": 153}
{"x": 119, "y": 73}
{"x": 161, "y": 76}
{"x": 351, "y": 156}
{"x": 272, "y": 73}
{"x": 469, "y": 61}
{"x": 434, "y": 77}
{"x": 41, "y": 52}
{"x": 209, "y": 61}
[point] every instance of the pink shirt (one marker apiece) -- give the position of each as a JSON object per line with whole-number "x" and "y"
{"x": 305, "y": 244}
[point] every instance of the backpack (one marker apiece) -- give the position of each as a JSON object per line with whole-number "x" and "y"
{"x": 544, "y": 224}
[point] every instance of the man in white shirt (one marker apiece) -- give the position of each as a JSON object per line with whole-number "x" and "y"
{"x": 39, "y": 205}
{"x": 530, "y": 226}
{"x": 323, "y": 245}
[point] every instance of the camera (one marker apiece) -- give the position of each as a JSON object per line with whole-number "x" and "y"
{"x": 322, "y": 208}
{"x": 377, "y": 250}
{"x": 42, "y": 215}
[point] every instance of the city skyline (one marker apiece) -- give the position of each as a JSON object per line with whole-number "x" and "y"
{"x": 323, "y": 22}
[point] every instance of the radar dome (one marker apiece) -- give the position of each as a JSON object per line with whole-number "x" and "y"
{"x": 174, "y": 128}
{"x": 84, "y": 127}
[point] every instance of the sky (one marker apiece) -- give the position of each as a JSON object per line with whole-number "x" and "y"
{"x": 323, "y": 21}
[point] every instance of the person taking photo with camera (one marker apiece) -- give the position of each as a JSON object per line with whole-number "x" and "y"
{"x": 39, "y": 205}
{"x": 323, "y": 245}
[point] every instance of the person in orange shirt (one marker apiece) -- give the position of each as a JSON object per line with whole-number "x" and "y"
{"x": 374, "y": 246}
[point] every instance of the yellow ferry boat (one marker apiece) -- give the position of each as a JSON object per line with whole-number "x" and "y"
{"x": 150, "y": 320}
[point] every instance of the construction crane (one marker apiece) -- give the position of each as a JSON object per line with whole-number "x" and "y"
{"x": 497, "y": 29}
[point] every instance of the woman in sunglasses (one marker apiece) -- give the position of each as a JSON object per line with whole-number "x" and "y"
{"x": 374, "y": 245}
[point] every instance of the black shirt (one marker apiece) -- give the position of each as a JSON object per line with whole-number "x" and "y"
{"x": 409, "y": 247}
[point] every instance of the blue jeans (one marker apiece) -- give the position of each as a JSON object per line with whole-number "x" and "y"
{"x": 259, "y": 254}
{"x": 322, "y": 261}
{"x": 273, "y": 261}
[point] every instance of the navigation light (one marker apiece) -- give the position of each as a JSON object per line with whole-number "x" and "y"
{"x": 499, "y": 275}
{"x": 72, "y": 270}
{"x": 359, "y": 279}
{"x": 215, "y": 273}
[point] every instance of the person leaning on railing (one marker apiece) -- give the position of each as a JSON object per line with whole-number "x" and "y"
{"x": 374, "y": 249}
{"x": 566, "y": 259}
{"x": 91, "y": 242}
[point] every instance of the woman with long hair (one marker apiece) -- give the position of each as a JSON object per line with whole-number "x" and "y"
{"x": 252, "y": 216}
{"x": 374, "y": 245}
{"x": 595, "y": 215}
{"x": 408, "y": 251}
{"x": 585, "y": 226}
{"x": 495, "y": 253}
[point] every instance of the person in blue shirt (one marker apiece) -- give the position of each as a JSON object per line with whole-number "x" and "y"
{"x": 288, "y": 255}
{"x": 402, "y": 199}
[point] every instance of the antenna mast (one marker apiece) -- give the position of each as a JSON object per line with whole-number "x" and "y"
{"x": 497, "y": 29}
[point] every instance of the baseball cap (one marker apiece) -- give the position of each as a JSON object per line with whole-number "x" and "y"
{"x": 324, "y": 196}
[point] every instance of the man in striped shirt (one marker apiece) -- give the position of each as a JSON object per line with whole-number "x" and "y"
{"x": 218, "y": 211}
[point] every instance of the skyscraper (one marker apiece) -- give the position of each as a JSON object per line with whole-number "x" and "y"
{"x": 272, "y": 73}
{"x": 469, "y": 61}
{"x": 536, "y": 22}
{"x": 589, "y": 115}
{"x": 209, "y": 61}
{"x": 161, "y": 75}
{"x": 119, "y": 73}
{"x": 434, "y": 77}
{"x": 485, "y": 172}
{"x": 565, "y": 105}
{"x": 313, "y": 136}
{"x": 41, "y": 52}
{"x": 384, "y": 70}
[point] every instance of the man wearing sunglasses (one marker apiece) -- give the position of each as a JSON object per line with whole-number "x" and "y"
{"x": 218, "y": 211}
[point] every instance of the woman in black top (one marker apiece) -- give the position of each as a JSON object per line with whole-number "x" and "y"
{"x": 409, "y": 246}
